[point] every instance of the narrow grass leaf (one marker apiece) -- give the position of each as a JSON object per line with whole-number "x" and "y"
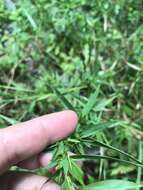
{"x": 30, "y": 19}
{"x": 93, "y": 129}
{"x": 76, "y": 172}
{"x": 102, "y": 104}
{"x": 8, "y": 120}
{"x": 95, "y": 143}
{"x": 65, "y": 164}
{"x": 65, "y": 102}
{"x": 99, "y": 157}
{"x": 112, "y": 185}
{"x": 91, "y": 102}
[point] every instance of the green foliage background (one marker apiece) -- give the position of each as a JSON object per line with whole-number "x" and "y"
{"x": 92, "y": 53}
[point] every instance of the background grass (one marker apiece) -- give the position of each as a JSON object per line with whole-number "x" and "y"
{"x": 87, "y": 55}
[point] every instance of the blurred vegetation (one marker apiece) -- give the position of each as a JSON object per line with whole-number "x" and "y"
{"x": 83, "y": 54}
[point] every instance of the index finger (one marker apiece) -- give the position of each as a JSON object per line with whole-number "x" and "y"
{"x": 26, "y": 139}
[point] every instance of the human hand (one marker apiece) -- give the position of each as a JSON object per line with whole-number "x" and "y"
{"x": 22, "y": 145}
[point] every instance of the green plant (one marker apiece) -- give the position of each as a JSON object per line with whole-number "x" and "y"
{"x": 86, "y": 57}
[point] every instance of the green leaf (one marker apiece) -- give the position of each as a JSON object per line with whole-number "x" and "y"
{"x": 52, "y": 164}
{"x": 95, "y": 143}
{"x": 91, "y": 102}
{"x": 76, "y": 172}
{"x": 112, "y": 185}
{"x": 65, "y": 164}
{"x": 102, "y": 104}
{"x": 99, "y": 157}
{"x": 65, "y": 102}
{"x": 96, "y": 127}
{"x": 8, "y": 120}
{"x": 67, "y": 185}
{"x": 30, "y": 19}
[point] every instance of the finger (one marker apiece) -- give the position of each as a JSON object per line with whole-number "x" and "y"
{"x": 25, "y": 181}
{"x": 26, "y": 139}
{"x": 41, "y": 160}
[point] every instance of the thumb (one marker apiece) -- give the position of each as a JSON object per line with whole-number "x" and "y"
{"x": 25, "y": 181}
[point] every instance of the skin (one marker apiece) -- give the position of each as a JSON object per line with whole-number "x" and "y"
{"x": 22, "y": 145}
